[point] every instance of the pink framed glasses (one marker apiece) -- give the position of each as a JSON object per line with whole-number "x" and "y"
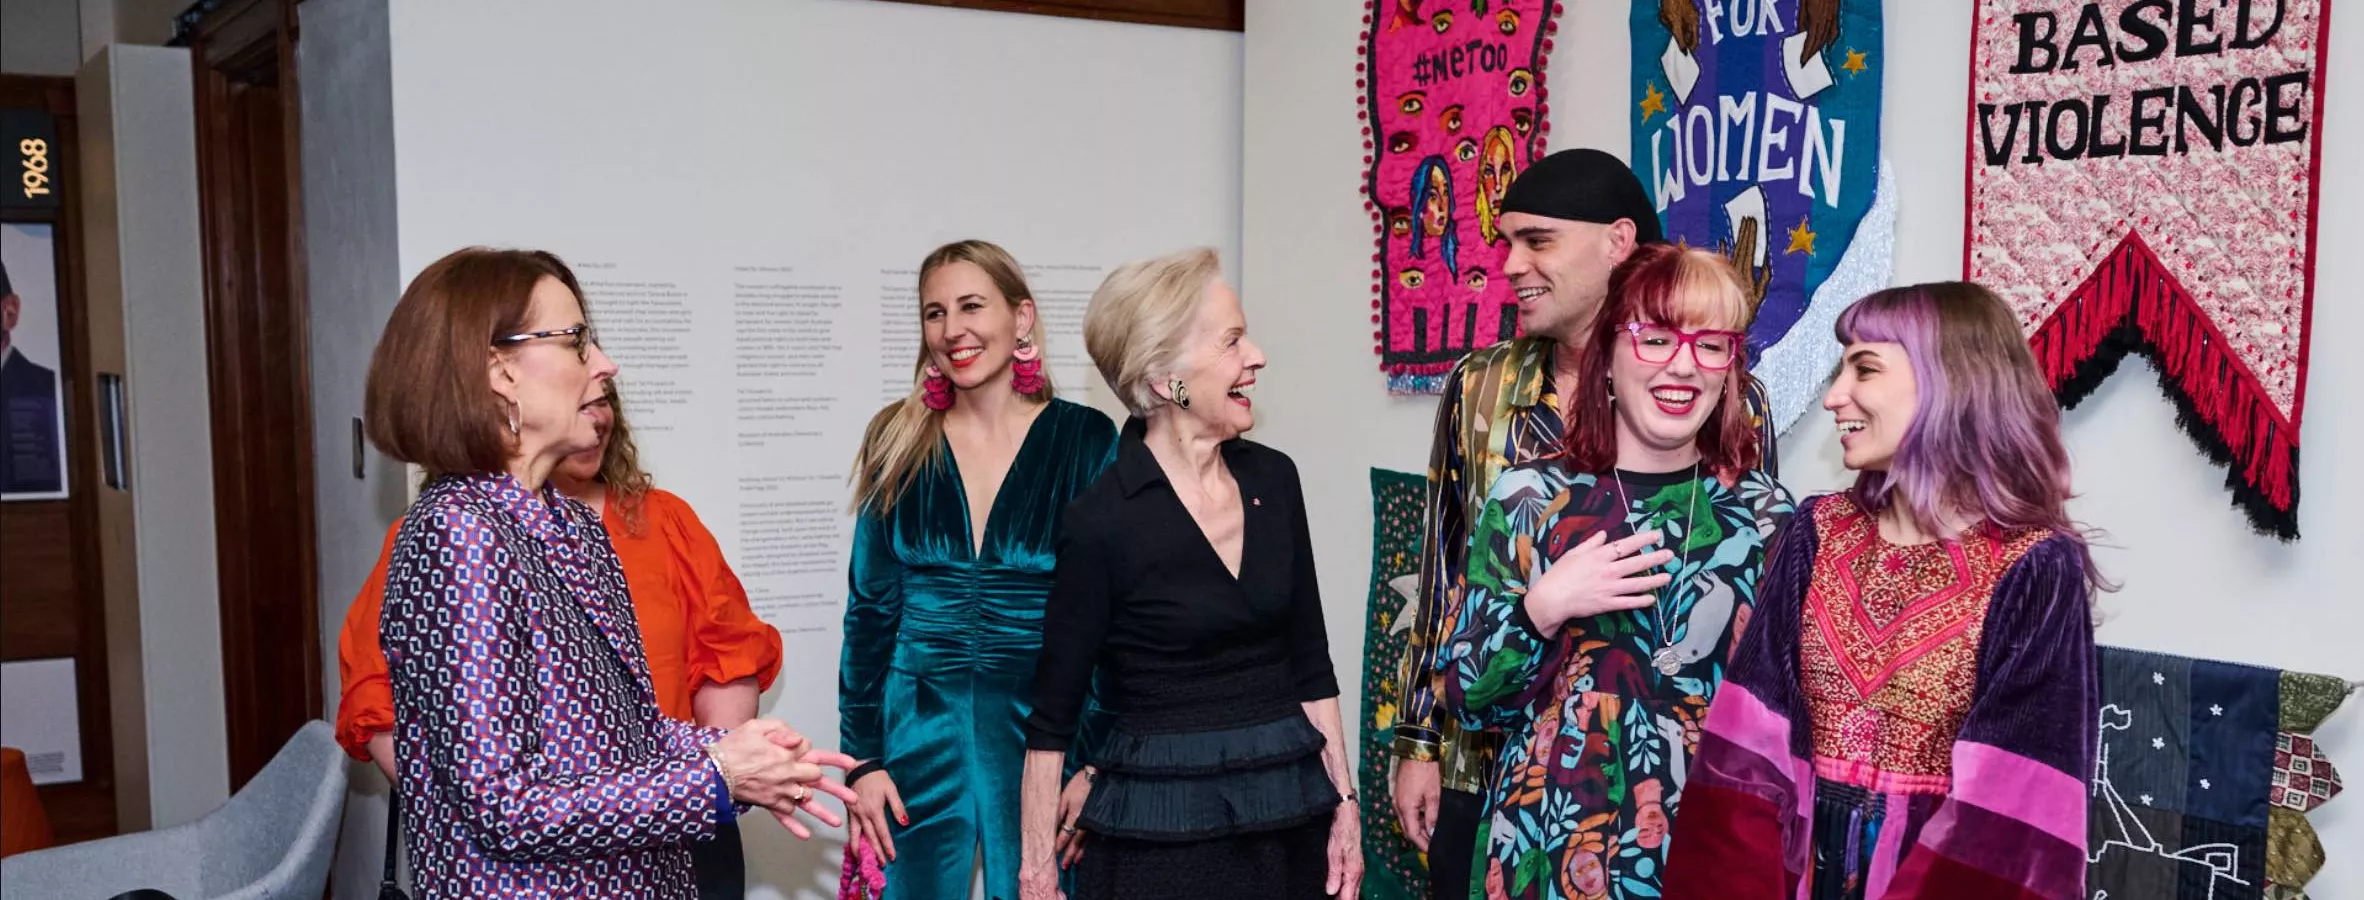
{"x": 1713, "y": 350}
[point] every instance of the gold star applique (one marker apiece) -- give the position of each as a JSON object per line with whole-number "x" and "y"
{"x": 1856, "y": 64}
{"x": 1653, "y": 102}
{"x": 1801, "y": 238}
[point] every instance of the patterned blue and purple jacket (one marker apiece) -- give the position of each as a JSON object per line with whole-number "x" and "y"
{"x": 532, "y": 757}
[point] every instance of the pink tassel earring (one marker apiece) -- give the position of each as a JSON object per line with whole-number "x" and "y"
{"x": 1026, "y": 373}
{"x": 936, "y": 389}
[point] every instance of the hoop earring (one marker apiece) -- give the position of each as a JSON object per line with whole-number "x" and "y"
{"x": 936, "y": 389}
{"x": 1026, "y": 374}
{"x": 1181, "y": 392}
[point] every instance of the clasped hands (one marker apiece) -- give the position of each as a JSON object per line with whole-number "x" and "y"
{"x": 768, "y": 764}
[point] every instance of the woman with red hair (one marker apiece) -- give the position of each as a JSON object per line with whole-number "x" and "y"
{"x": 1608, "y": 582}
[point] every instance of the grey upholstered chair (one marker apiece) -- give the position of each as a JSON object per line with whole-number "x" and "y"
{"x": 273, "y": 840}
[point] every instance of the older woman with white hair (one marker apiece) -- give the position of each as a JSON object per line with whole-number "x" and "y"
{"x": 1186, "y": 579}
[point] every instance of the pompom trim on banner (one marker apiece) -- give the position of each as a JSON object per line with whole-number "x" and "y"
{"x": 1424, "y": 378}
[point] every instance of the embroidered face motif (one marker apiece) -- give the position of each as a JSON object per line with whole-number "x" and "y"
{"x": 1438, "y": 210}
{"x": 1873, "y": 400}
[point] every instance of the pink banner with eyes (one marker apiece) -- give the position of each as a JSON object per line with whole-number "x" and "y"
{"x": 1453, "y": 111}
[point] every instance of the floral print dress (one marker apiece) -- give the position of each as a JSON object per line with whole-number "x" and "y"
{"x": 1601, "y": 719}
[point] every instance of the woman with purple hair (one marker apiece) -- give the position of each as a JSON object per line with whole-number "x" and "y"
{"x": 1911, "y": 713}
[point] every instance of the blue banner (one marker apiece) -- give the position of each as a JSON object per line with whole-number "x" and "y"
{"x": 1756, "y": 130}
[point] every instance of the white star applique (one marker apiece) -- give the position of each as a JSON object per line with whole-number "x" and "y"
{"x": 2205, "y": 786}
{"x": 2146, "y": 799}
{"x": 2158, "y": 678}
{"x": 2158, "y": 743}
{"x": 2216, "y": 709}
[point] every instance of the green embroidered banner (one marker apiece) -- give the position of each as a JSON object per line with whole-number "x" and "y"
{"x": 1394, "y": 869}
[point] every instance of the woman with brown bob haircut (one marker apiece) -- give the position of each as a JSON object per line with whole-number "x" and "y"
{"x": 709, "y": 658}
{"x": 532, "y": 757}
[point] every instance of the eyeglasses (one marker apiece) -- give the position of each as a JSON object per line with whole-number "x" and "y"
{"x": 584, "y": 339}
{"x": 1711, "y": 349}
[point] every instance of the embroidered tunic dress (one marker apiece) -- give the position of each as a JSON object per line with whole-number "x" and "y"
{"x": 1598, "y": 735}
{"x": 1902, "y": 722}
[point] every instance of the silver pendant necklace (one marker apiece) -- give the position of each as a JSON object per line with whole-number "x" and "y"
{"x": 1665, "y": 659}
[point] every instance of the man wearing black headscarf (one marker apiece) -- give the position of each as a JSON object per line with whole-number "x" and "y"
{"x": 30, "y": 462}
{"x": 1570, "y": 218}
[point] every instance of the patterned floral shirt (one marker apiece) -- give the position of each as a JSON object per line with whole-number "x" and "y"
{"x": 1598, "y": 735}
{"x": 532, "y": 757}
{"x": 1498, "y": 410}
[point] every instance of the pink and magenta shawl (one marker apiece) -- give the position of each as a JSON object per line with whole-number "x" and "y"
{"x": 2009, "y": 822}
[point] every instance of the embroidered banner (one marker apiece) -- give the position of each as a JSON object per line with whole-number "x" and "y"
{"x": 1756, "y": 129}
{"x": 1453, "y": 111}
{"x": 1394, "y": 869}
{"x": 2206, "y": 773}
{"x": 2142, "y": 178}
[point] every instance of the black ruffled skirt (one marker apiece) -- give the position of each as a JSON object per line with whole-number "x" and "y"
{"x": 1239, "y": 812}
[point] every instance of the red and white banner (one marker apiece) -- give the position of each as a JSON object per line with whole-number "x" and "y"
{"x": 2142, "y": 177}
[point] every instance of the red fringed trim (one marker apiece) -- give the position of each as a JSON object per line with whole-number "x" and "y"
{"x": 2132, "y": 304}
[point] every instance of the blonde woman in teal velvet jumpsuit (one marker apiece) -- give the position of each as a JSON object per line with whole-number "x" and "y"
{"x": 958, "y": 494}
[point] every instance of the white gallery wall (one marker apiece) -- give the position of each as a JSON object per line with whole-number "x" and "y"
{"x": 2197, "y": 580}
{"x": 747, "y": 188}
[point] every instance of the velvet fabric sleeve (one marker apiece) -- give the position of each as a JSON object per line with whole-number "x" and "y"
{"x": 874, "y": 609}
{"x": 365, "y": 708}
{"x": 1743, "y": 830}
{"x": 2012, "y": 826}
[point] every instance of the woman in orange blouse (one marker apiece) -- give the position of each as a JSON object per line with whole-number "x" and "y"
{"x": 709, "y": 657}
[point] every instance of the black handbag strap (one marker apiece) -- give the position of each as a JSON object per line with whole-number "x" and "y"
{"x": 387, "y": 888}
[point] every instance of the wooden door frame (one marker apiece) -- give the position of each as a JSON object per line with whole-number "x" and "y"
{"x": 253, "y": 42}
{"x": 85, "y": 809}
